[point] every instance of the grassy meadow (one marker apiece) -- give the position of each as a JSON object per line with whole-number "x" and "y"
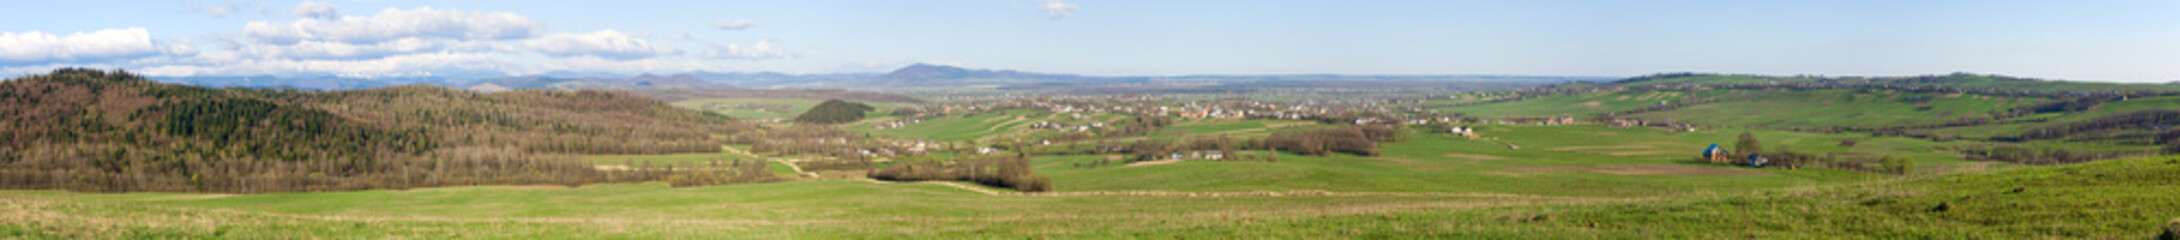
{"x": 2040, "y": 202}
{"x": 1514, "y": 181}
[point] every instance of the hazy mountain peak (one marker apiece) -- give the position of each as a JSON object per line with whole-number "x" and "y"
{"x": 935, "y": 71}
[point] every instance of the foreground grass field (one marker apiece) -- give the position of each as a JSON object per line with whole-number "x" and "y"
{"x": 1515, "y": 181}
{"x": 1557, "y": 182}
{"x": 1590, "y": 161}
{"x": 2110, "y": 199}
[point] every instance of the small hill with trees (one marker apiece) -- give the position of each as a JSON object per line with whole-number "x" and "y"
{"x": 834, "y": 111}
{"x": 91, "y": 130}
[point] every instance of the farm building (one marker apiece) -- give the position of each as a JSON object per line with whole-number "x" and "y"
{"x": 1716, "y": 155}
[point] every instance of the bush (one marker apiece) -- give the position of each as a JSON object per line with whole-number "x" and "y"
{"x": 2048, "y": 156}
{"x": 1325, "y": 141}
{"x": 996, "y": 171}
{"x": 2172, "y": 230}
{"x": 1032, "y": 183}
{"x": 1896, "y": 165}
{"x": 2105, "y": 126}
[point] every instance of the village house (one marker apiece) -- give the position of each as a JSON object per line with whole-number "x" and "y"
{"x": 1716, "y": 155}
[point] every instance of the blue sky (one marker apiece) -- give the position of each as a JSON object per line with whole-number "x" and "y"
{"x": 2078, "y": 40}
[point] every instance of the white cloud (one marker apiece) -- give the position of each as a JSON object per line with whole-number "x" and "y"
{"x": 222, "y": 10}
{"x": 394, "y": 42}
{"x": 421, "y": 64}
{"x": 1058, "y": 9}
{"x": 36, "y": 47}
{"x": 597, "y": 64}
{"x": 317, "y": 10}
{"x": 394, "y": 23}
{"x": 342, "y": 50}
{"x": 216, "y": 11}
{"x": 734, "y": 25}
{"x": 603, "y": 43}
{"x": 761, "y": 50}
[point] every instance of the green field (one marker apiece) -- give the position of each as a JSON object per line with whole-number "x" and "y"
{"x": 732, "y": 106}
{"x": 1514, "y": 181}
{"x": 1837, "y": 108}
{"x": 1012, "y": 123}
{"x": 2022, "y": 202}
{"x": 1578, "y": 105}
{"x": 1772, "y": 108}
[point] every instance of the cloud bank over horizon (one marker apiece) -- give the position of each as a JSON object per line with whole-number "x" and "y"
{"x": 2126, "y": 40}
{"x": 393, "y": 42}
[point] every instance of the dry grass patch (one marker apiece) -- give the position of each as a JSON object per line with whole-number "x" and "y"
{"x": 1473, "y": 156}
{"x": 1148, "y": 163}
{"x": 1650, "y": 152}
{"x": 1397, "y": 160}
{"x": 1607, "y": 147}
{"x": 1641, "y": 170}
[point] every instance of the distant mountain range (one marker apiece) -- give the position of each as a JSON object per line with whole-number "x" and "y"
{"x": 913, "y": 76}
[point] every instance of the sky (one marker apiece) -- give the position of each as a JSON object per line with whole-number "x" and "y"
{"x": 2129, "y": 41}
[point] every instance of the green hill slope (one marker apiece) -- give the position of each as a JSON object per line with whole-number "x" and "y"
{"x": 1941, "y": 107}
{"x": 2117, "y": 199}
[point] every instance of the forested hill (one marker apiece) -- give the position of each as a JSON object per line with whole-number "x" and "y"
{"x": 122, "y": 132}
{"x": 2015, "y": 119}
{"x": 1954, "y": 81}
{"x": 834, "y": 111}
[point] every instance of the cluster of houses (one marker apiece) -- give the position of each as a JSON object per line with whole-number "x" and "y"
{"x": 897, "y": 123}
{"x": 1063, "y": 127}
{"x": 1464, "y": 131}
{"x": 1205, "y": 155}
{"x": 879, "y": 152}
{"x": 914, "y": 146}
{"x": 1633, "y": 123}
{"x": 1561, "y": 120}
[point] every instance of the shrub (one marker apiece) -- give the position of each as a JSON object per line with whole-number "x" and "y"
{"x": 996, "y": 171}
{"x": 2172, "y": 230}
{"x": 1032, "y": 183}
{"x": 2047, "y": 156}
{"x": 1747, "y": 144}
{"x": 1325, "y": 141}
{"x": 1896, "y": 165}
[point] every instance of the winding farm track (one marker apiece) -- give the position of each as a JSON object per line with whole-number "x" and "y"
{"x": 988, "y": 192}
{"x": 1295, "y": 193}
{"x": 790, "y": 165}
{"x": 42, "y": 210}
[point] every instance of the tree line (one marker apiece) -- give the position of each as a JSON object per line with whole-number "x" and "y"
{"x": 1355, "y": 139}
{"x": 1005, "y": 171}
{"x": 92, "y": 130}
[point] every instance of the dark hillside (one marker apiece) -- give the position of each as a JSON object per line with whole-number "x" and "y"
{"x": 834, "y": 112}
{"x": 97, "y": 131}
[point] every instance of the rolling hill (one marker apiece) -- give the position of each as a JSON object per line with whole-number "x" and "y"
{"x": 119, "y": 132}
{"x": 2112, "y": 118}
